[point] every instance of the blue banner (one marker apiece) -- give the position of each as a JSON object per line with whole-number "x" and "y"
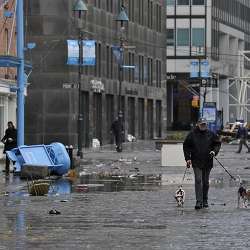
{"x": 73, "y": 52}
{"x": 88, "y": 52}
{"x": 194, "y": 69}
{"x": 205, "y": 69}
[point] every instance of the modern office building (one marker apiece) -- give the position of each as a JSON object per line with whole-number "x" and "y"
{"x": 7, "y": 74}
{"x": 200, "y": 30}
{"x": 52, "y": 103}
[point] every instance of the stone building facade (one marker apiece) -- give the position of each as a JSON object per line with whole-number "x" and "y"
{"x": 52, "y": 109}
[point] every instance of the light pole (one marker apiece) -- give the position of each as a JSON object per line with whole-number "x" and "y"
{"x": 122, "y": 18}
{"x": 20, "y": 74}
{"x": 80, "y": 8}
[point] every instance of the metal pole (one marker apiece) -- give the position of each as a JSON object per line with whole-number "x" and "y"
{"x": 120, "y": 113}
{"x": 20, "y": 74}
{"x": 80, "y": 113}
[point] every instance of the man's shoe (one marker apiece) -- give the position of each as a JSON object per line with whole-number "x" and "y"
{"x": 237, "y": 152}
{"x": 198, "y": 205}
{"x": 205, "y": 204}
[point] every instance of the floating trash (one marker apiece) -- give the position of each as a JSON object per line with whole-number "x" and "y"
{"x": 38, "y": 187}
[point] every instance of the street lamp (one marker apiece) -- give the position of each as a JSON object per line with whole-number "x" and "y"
{"x": 122, "y": 18}
{"x": 80, "y": 8}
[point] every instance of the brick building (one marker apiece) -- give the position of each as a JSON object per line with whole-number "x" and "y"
{"x": 7, "y": 74}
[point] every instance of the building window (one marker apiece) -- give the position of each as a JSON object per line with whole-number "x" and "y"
{"x": 107, "y": 61}
{"x": 158, "y": 17}
{"x": 183, "y": 2}
{"x": 198, "y": 37}
{"x": 141, "y": 70}
{"x": 182, "y": 37}
{"x": 97, "y": 3}
{"x": 131, "y": 10}
{"x": 198, "y": 2}
{"x": 6, "y": 41}
{"x": 150, "y": 14}
{"x": 158, "y": 73}
{"x": 141, "y": 11}
{"x": 131, "y": 58}
{"x": 109, "y": 5}
{"x": 98, "y": 69}
{"x": 111, "y": 63}
{"x": 150, "y": 72}
{"x": 170, "y": 2}
{"x": 170, "y": 37}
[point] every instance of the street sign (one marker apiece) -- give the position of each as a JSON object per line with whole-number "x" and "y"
{"x": 128, "y": 66}
{"x": 70, "y": 85}
{"x": 194, "y": 85}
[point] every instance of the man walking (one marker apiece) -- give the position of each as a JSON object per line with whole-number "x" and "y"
{"x": 10, "y": 142}
{"x": 242, "y": 134}
{"x": 117, "y": 130}
{"x": 199, "y": 148}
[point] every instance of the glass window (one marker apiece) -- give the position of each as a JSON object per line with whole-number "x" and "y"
{"x": 183, "y": 2}
{"x": 198, "y": 2}
{"x": 198, "y": 37}
{"x": 170, "y": 37}
{"x": 170, "y": 2}
{"x": 182, "y": 37}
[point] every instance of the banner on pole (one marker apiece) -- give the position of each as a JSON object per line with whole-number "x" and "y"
{"x": 88, "y": 52}
{"x": 205, "y": 69}
{"x": 73, "y": 52}
{"x": 194, "y": 69}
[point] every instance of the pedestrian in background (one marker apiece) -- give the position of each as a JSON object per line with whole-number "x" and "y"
{"x": 199, "y": 148}
{"x": 242, "y": 134}
{"x": 10, "y": 142}
{"x": 117, "y": 130}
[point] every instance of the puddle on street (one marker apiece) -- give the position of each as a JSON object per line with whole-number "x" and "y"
{"x": 115, "y": 182}
{"x": 108, "y": 182}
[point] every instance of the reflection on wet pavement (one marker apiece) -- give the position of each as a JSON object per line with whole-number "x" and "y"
{"x": 119, "y": 210}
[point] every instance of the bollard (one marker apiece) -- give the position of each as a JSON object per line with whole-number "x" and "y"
{"x": 70, "y": 152}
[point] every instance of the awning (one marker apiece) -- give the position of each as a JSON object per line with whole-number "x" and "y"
{"x": 13, "y": 62}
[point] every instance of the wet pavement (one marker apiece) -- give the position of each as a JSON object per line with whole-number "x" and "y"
{"x": 125, "y": 201}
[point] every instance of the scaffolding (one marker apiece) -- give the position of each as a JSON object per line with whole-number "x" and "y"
{"x": 239, "y": 88}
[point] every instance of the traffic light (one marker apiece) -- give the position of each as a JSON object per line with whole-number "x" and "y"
{"x": 196, "y": 101}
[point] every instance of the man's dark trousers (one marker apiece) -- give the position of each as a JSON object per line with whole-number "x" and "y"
{"x": 201, "y": 183}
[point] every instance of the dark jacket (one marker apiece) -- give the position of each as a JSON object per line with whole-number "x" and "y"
{"x": 116, "y": 127}
{"x": 197, "y": 146}
{"x": 242, "y": 133}
{"x": 10, "y": 133}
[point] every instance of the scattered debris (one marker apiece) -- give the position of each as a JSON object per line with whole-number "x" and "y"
{"x": 96, "y": 143}
{"x": 131, "y": 138}
{"x": 54, "y": 211}
{"x": 38, "y": 187}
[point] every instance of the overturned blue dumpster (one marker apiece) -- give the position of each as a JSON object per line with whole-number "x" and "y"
{"x": 53, "y": 156}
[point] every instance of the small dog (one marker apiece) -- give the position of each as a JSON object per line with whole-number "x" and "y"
{"x": 243, "y": 196}
{"x": 180, "y": 197}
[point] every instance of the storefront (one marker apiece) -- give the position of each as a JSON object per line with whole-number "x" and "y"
{"x": 7, "y": 107}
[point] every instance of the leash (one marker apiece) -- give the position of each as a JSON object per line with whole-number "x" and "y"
{"x": 225, "y": 169}
{"x": 184, "y": 176}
